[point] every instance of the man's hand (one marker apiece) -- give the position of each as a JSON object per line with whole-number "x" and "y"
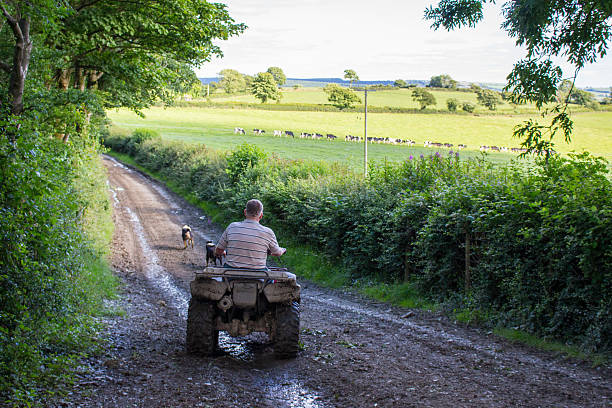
{"x": 280, "y": 252}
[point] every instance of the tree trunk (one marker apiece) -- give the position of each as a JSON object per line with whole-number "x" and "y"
{"x": 63, "y": 78}
{"x": 93, "y": 77}
{"x": 21, "y": 61}
{"x": 79, "y": 77}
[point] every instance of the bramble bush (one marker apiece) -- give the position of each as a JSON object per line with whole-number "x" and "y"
{"x": 527, "y": 247}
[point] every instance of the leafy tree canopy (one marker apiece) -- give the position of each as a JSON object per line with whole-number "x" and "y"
{"x": 423, "y": 97}
{"x": 577, "y": 30}
{"x": 130, "y": 53}
{"x": 399, "y": 83}
{"x": 568, "y": 92}
{"x": 340, "y": 97}
{"x": 442, "y": 81}
{"x": 232, "y": 81}
{"x": 278, "y": 74}
{"x": 264, "y": 87}
{"x": 351, "y": 76}
{"x": 489, "y": 98}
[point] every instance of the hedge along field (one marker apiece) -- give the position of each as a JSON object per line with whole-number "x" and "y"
{"x": 214, "y": 127}
{"x": 513, "y": 247}
{"x": 384, "y": 97}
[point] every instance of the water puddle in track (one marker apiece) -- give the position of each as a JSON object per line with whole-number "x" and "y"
{"x": 240, "y": 349}
{"x": 113, "y": 193}
{"x": 289, "y": 392}
{"x": 155, "y": 272}
{"x": 118, "y": 164}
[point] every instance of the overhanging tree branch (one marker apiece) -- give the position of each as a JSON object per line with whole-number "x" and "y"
{"x": 577, "y": 30}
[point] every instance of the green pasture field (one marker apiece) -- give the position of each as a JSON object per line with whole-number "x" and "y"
{"x": 214, "y": 127}
{"x": 399, "y": 98}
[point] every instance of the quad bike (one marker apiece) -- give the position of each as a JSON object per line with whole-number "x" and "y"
{"x": 242, "y": 301}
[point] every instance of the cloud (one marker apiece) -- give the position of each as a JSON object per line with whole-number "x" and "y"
{"x": 380, "y": 40}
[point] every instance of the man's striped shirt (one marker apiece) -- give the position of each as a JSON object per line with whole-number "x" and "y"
{"x": 247, "y": 244}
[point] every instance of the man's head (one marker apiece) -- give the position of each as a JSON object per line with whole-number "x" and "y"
{"x": 254, "y": 209}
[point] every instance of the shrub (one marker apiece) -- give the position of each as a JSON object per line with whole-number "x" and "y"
{"x": 138, "y": 137}
{"x": 468, "y": 107}
{"x": 452, "y": 104}
{"x": 242, "y": 158}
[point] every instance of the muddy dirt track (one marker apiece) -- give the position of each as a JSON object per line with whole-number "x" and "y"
{"x": 357, "y": 353}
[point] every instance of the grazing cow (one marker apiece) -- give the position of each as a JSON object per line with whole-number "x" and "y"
{"x": 238, "y": 130}
{"x": 258, "y": 131}
{"x": 305, "y": 135}
{"x": 278, "y": 133}
{"x": 461, "y": 146}
{"x": 317, "y": 136}
{"x": 331, "y": 137}
{"x": 289, "y": 133}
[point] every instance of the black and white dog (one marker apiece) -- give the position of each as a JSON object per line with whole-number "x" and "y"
{"x": 211, "y": 255}
{"x": 187, "y": 236}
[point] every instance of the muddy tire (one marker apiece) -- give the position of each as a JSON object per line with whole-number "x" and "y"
{"x": 202, "y": 337}
{"x": 287, "y": 336}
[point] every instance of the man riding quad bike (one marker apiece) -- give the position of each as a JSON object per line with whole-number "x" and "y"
{"x": 244, "y": 295}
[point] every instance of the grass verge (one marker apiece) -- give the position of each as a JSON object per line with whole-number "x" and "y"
{"x": 554, "y": 347}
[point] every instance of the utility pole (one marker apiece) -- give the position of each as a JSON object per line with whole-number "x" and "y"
{"x": 365, "y": 133}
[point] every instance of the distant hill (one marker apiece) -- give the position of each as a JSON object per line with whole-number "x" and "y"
{"x": 321, "y": 82}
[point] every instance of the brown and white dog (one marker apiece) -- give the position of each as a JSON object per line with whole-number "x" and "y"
{"x": 210, "y": 254}
{"x": 187, "y": 236}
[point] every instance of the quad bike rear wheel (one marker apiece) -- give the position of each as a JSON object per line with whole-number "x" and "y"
{"x": 202, "y": 337}
{"x": 286, "y": 339}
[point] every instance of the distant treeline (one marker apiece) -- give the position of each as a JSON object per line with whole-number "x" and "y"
{"x": 526, "y": 248}
{"x": 305, "y": 107}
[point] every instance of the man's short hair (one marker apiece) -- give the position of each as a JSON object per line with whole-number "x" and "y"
{"x": 254, "y": 208}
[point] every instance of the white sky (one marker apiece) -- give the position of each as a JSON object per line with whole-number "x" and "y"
{"x": 380, "y": 40}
